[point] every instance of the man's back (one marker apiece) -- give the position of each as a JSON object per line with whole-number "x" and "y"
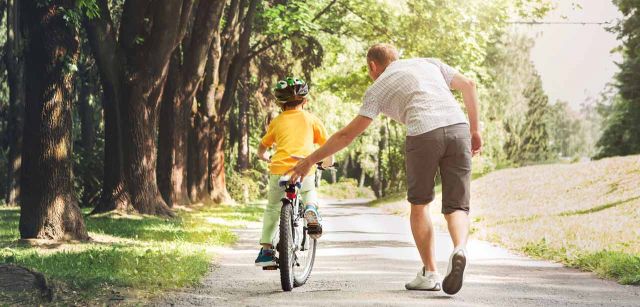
{"x": 415, "y": 92}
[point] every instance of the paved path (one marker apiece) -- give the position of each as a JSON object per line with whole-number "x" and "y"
{"x": 366, "y": 256}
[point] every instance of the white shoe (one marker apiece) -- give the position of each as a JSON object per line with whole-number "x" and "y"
{"x": 452, "y": 282}
{"x": 425, "y": 281}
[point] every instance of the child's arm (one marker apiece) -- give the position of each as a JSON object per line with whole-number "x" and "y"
{"x": 262, "y": 153}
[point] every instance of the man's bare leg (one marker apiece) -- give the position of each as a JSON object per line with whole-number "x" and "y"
{"x": 423, "y": 234}
{"x": 458, "y": 224}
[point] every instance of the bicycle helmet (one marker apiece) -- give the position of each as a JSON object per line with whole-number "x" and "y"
{"x": 290, "y": 89}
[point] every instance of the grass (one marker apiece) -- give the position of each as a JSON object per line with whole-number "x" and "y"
{"x": 623, "y": 267}
{"x": 344, "y": 189}
{"x": 131, "y": 255}
{"x": 584, "y": 215}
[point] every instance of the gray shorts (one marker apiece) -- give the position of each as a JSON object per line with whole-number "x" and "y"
{"x": 447, "y": 149}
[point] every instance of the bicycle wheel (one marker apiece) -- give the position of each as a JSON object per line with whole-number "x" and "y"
{"x": 286, "y": 246}
{"x": 305, "y": 254}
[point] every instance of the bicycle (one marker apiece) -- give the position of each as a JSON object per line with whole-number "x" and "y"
{"x": 295, "y": 249}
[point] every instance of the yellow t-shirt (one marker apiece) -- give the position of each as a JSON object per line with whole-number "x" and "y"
{"x": 294, "y": 132}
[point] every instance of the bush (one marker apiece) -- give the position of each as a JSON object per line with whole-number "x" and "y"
{"x": 246, "y": 186}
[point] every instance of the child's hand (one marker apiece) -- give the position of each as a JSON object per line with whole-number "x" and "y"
{"x": 265, "y": 157}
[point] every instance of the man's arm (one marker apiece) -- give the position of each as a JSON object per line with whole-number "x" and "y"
{"x": 470, "y": 96}
{"x": 335, "y": 143}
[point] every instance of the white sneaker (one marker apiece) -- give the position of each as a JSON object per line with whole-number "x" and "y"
{"x": 425, "y": 281}
{"x": 452, "y": 282}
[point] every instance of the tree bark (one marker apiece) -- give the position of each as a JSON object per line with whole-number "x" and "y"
{"x": 217, "y": 177}
{"x": 243, "y": 129}
{"x": 102, "y": 39}
{"x": 203, "y": 120}
{"x": 49, "y": 209}
{"x": 216, "y": 174}
{"x": 14, "y": 59}
{"x": 179, "y": 99}
{"x": 136, "y": 67}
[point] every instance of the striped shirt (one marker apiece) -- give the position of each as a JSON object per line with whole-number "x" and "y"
{"x": 417, "y": 93}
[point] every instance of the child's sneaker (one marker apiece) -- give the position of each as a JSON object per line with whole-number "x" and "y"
{"x": 314, "y": 228}
{"x": 266, "y": 258}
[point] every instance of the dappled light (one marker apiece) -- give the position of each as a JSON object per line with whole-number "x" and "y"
{"x": 483, "y": 153}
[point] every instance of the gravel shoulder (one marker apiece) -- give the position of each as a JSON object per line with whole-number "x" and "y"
{"x": 366, "y": 256}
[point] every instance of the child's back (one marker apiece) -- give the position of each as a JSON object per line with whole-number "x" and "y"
{"x": 294, "y": 132}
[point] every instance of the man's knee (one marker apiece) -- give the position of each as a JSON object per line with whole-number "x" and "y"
{"x": 420, "y": 209}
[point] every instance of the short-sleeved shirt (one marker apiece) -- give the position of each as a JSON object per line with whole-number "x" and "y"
{"x": 417, "y": 93}
{"x": 295, "y": 133}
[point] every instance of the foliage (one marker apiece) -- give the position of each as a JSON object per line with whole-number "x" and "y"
{"x": 246, "y": 186}
{"x": 621, "y": 134}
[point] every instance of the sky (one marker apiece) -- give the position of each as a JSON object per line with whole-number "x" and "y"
{"x": 575, "y": 61}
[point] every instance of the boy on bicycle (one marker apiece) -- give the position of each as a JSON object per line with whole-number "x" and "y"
{"x": 295, "y": 132}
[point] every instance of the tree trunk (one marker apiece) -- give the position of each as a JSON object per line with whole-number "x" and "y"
{"x": 217, "y": 178}
{"x": 85, "y": 110}
{"x": 14, "y": 59}
{"x": 49, "y": 209}
{"x": 243, "y": 129}
{"x": 203, "y": 120}
{"x": 171, "y": 171}
{"x": 179, "y": 100}
{"x": 136, "y": 66}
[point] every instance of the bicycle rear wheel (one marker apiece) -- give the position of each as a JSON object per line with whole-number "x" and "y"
{"x": 305, "y": 255}
{"x": 286, "y": 246}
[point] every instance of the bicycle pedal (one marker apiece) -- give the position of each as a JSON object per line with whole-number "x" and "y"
{"x": 270, "y": 268}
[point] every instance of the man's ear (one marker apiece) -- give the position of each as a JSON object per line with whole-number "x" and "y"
{"x": 372, "y": 66}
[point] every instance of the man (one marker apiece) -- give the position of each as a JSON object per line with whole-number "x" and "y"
{"x": 417, "y": 93}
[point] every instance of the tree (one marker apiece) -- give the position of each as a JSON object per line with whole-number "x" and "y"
{"x": 133, "y": 70}
{"x": 14, "y": 59}
{"x": 621, "y": 135}
{"x": 186, "y": 71}
{"x": 49, "y": 209}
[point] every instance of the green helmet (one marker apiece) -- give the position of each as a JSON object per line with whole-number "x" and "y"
{"x": 290, "y": 89}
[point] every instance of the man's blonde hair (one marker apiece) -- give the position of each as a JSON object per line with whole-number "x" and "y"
{"x": 382, "y": 54}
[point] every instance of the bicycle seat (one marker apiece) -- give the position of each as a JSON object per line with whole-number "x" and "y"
{"x": 284, "y": 181}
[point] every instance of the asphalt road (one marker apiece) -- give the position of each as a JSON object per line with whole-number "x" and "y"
{"x": 367, "y": 255}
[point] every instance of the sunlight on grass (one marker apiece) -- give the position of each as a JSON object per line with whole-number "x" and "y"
{"x": 144, "y": 253}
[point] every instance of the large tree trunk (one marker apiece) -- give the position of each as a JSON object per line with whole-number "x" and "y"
{"x": 49, "y": 209}
{"x": 135, "y": 66}
{"x": 203, "y": 121}
{"x": 216, "y": 155}
{"x": 101, "y": 34}
{"x": 171, "y": 171}
{"x": 14, "y": 59}
{"x": 179, "y": 100}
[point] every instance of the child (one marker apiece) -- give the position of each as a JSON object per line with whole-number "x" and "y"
{"x": 295, "y": 132}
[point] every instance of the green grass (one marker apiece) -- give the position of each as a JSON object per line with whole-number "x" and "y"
{"x": 599, "y": 208}
{"x": 622, "y": 267}
{"x": 143, "y": 254}
{"x": 397, "y": 196}
{"x": 344, "y": 189}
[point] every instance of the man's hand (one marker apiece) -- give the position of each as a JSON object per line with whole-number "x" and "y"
{"x": 476, "y": 143}
{"x": 300, "y": 170}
